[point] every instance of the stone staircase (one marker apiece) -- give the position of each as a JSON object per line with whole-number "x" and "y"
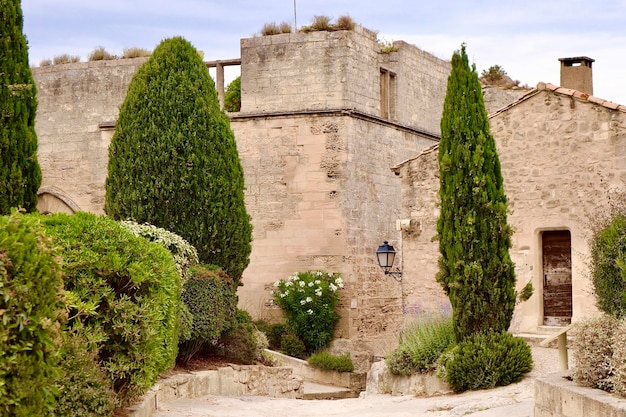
{"x": 322, "y": 385}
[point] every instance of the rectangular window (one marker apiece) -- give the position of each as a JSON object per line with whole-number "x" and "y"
{"x": 387, "y": 94}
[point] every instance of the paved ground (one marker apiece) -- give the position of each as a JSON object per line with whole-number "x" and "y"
{"x": 512, "y": 401}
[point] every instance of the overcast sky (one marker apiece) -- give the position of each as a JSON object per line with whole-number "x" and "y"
{"x": 525, "y": 37}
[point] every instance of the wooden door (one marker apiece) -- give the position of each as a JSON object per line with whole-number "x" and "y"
{"x": 557, "y": 278}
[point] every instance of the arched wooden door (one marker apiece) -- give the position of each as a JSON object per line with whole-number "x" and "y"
{"x": 557, "y": 277}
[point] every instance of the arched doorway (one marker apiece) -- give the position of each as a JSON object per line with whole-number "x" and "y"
{"x": 53, "y": 200}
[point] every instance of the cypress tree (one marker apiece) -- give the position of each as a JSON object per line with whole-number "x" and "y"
{"x": 20, "y": 174}
{"x": 173, "y": 161}
{"x": 475, "y": 268}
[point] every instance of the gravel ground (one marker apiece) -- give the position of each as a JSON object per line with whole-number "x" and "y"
{"x": 515, "y": 400}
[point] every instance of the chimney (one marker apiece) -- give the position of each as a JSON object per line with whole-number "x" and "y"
{"x": 576, "y": 74}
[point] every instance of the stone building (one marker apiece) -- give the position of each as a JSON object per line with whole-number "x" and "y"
{"x": 323, "y": 117}
{"x": 562, "y": 156}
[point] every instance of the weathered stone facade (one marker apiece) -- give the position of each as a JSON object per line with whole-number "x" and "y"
{"x": 562, "y": 157}
{"x": 324, "y": 115}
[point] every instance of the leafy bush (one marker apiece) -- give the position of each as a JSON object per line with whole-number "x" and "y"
{"x": 274, "y": 332}
{"x": 185, "y": 255}
{"x": 326, "y": 361}
{"x": 173, "y": 160}
{"x": 123, "y": 296}
{"x": 100, "y": 54}
{"x": 32, "y": 313}
{"x": 484, "y": 361}
{"x": 291, "y": 345}
{"x": 592, "y": 350}
{"x": 244, "y": 343}
{"x": 210, "y": 297}
{"x": 608, "y": 266}
{"x": 232, "y": 96}
{"x": 83, "y": 388}
{"x": 421, "y": 344}
{"x": 619, "y": 359}
{"x": 344, "y": 23}
{"x": 308, "y": 300}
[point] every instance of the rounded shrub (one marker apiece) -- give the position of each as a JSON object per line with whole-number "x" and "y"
{"x": 210, "y": 296}
{"x": 243, "y": 343}
{"x": 291, "y": 345}
{"x": 123, "y": 296}
{"x": 308, "y": 300}
{"x": 32, "y": 313}
{"x": 484, "y": 361}
{"x": 328, "y": 362}
{"x": 83, "y": 389}
{"x": 608, "y": 266}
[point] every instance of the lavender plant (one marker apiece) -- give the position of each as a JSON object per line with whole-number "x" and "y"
{"x": 308, "y": 300}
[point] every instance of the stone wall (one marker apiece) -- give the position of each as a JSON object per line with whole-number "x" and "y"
{"x": 78, "y": 105}
{"x": 557, "y": 396}
{"x": 562, "y": 157}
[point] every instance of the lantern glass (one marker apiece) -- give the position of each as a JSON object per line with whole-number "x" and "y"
{"x": 386, "y": 254}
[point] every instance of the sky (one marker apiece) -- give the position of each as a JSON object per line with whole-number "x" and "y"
{"x": 525, "y": 37}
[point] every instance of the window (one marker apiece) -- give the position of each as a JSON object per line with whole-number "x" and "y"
{"x": 387, "y": 94}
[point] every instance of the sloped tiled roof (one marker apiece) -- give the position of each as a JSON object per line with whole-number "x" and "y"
{"x": 562, "y": 91}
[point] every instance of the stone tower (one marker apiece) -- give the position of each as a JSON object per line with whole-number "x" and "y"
{"x": 576, "y": 74}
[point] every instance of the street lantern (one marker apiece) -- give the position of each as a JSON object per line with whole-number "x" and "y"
{"x": 386, "y": 254}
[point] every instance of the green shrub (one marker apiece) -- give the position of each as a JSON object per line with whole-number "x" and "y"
{"x": 185, "y": 255}
{"x": 243, "y": 343}
{"x": 608, "y": 266}
{"x": 399, "y": 362}
{"x": 421, "y": 344}
{"x": 173, "y": 159}
{"x": 123, "y": 296}
{"x": 210, "y": 297}
{"x": 32, "y": 312}
{"x": 308, "y": 300}
{"x": 328, "y": 362}
{"x": 83, "y": 388}
{"x": 592, "y": 350}
{"x": 232, "y": 96}
{"x": 274, "y": 332}
{"x": 484, "y": 361}
{"x": 291, "y": 345}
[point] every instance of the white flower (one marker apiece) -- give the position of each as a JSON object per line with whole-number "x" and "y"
{"x": 284, "y": 294}
{"x": 311, "y": 284}
{"x": 272, "y": 292}
{"x": 332, "y": 287}
{"x": 339, "y": 282}
{"x": 277, "y": 283}
{"x": 318, "y": 282}
{"x": 319, "y": 273}
{"x": 318, "y": 292}
{"x": 302, "y": 284}
{"x": 309, "y": 311}
{"x": 308, "y": 299}
{"x": 302, "y": 302}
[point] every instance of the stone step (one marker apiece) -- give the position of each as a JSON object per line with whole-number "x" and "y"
{"x": 315, "y": 391}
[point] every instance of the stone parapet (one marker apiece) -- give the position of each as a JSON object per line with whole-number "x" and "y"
{"x": 557, "y": 396}
{"x": 235, "y": 380}
{"x": 381, "y": 381}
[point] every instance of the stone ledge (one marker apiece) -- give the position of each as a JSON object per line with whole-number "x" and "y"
{"x": 557, "y": 396}
{"x": 235, "y": 380}
{"x": 381, "y": 381}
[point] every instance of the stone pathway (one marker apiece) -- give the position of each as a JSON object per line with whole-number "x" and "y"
{"x": 512, "y": 401}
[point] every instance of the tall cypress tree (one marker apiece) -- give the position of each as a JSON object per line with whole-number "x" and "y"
{"x": 475, "y": 268}
{"x": 20, "y": 174}
{"x": 173, "y": 161}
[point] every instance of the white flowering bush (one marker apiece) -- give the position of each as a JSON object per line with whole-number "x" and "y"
{"x": 308, "y": 300}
